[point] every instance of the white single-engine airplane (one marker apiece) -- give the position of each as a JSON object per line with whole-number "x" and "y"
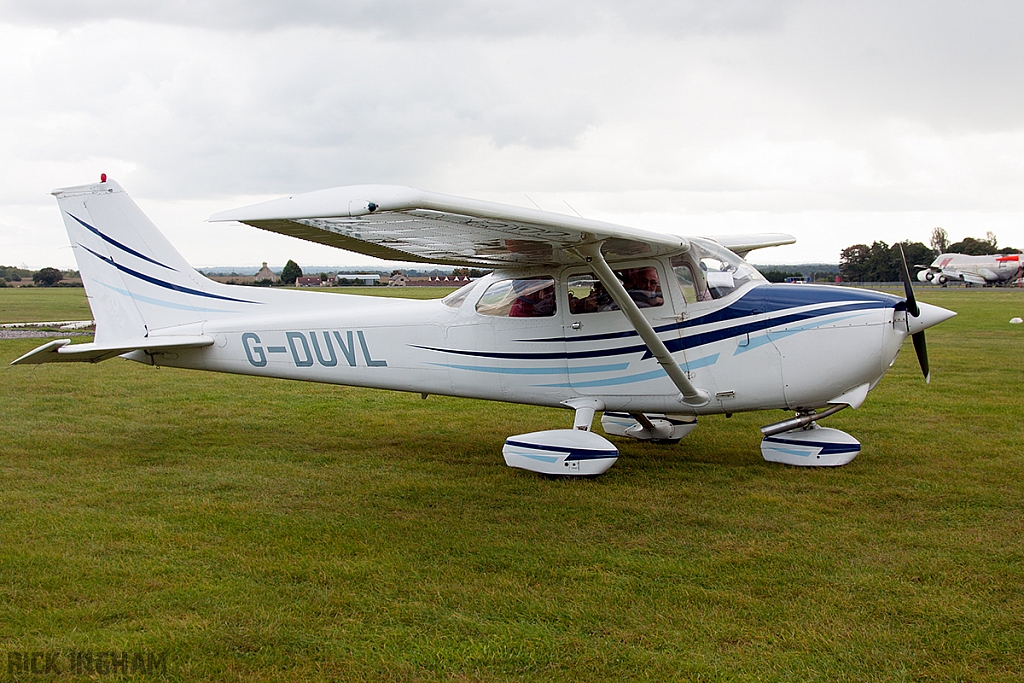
{"x": 994, "y": 269}
{"x": 651, "y": 330}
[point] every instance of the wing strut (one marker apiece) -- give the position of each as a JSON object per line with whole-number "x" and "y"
{"x": 691, "y": 395}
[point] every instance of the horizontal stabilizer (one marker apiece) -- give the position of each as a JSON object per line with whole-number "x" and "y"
{"x": 62, "y": 351}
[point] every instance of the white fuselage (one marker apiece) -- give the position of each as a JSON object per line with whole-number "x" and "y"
{"x": 991, "y": 269}
{"x": 761, "y": 346}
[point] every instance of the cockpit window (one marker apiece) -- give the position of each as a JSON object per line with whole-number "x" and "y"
{"x": 710, "y": 271}
{"x": 521, "y": 298}
{"x": 455, "y": 299}
{"x": 587, "y": 294}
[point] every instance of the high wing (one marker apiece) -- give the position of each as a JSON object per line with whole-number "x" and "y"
{"x": 405, "y": 224}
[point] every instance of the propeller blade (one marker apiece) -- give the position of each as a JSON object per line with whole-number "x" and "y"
{"x": 922, "y": 355}
{"x": 914, "y": 310}
{"x": 912, "y": 307}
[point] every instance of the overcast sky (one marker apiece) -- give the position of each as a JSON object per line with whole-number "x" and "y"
{"x": 838, "y": 122}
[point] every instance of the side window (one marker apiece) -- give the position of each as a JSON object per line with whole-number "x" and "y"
{"x": 588, "y": 295}
{"x": 684, "y": 275}
{"x": 524, "y": 298}
{"x": 455, "y": 299}
{"x": 693, "y": 288}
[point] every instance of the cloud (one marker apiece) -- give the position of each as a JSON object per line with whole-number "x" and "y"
{"x": 707, "y": 109}
{"x": 419, "y": 19}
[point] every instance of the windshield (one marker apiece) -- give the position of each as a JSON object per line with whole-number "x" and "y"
{"x": 710, "y": 271}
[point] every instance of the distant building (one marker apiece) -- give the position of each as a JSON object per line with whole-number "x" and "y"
{"x": 308, "y": 281}
{"x": 364, "y": 278}
{"x": 265, "y": 274}
{"x": 403, "y": 280}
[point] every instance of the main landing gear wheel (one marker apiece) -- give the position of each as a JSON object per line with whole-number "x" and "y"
{"x": 811, "y": 446}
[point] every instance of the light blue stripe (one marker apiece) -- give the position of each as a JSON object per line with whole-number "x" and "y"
{"x": 163, "y": 304}
{"x": 535, "y": 371}
{"x": 790, "y": 451}
{"x": 641, "y": 377}
{"x": 542, "y": 458}
{"x": 770, "y": 335}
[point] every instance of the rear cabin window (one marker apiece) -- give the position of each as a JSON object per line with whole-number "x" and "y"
{"x": 588, "y": 295}
{"x": 455, "y": 299}
{"x": 520, "y": 298}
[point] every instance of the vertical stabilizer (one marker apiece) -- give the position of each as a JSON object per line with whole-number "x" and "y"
{"x": 136, "y": 281}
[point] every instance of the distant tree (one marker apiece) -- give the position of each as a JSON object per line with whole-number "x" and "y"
{"x": 917, "y": 254}
{"x": 940, "y": 241}
{"x": 776, "y": 275}
{"x": 291, "y": 272}
{"x": 47, "y": 277}
{"x": 972, "y": 246}
{"x": 880, "y": 262}
{"x": 853, "y": 262}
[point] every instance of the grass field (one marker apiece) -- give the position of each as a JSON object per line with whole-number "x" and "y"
{"x": 265, "y": 530}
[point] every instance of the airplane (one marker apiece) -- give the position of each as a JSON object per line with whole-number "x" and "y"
{"x": 994, "y": 269}
{"x": 651, "y": 330}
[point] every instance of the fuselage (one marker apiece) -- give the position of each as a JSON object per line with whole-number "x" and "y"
{"x": 753, "y": 346}
{"x": 990, "y": 269}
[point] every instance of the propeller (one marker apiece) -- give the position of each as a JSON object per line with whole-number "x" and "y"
{"x": 915, "y": 311}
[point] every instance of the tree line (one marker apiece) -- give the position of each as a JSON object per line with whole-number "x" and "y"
{"x": 880, "y": 262}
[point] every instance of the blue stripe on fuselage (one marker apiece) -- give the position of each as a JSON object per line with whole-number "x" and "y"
{"x": 769, "y": 298}
{"x": 757, "y": 302}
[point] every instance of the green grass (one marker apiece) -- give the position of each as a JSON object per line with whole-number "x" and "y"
{"x": 43, "y": 304}
{"x": 267, "y": 530}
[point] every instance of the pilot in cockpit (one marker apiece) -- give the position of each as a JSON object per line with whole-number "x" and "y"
{"x": 643, "y": 286}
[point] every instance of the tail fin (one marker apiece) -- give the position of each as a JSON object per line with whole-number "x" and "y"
{"x": 136, "y": 281}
